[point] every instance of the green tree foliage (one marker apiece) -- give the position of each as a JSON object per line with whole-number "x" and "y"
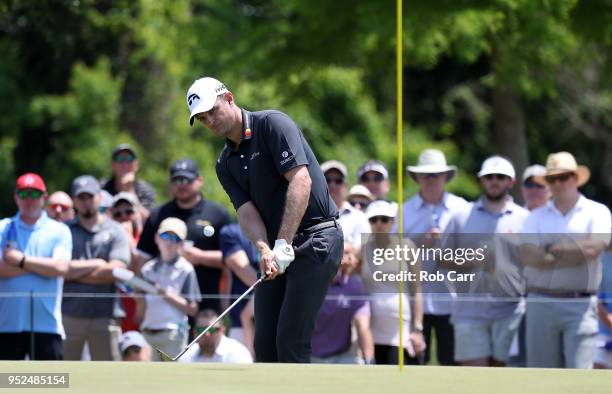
{"x": 78, "y": 77}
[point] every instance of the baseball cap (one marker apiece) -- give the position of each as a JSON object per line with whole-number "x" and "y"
{"x": 202, "y": 95}
{"x": 85, "y": 184}
{"x": 128, "y": 197}
{"x": 497, "y": 165}
{"x": 360, "y": 190}
{"x": 534, "y": 170}
{"x": 174, "y": 225}
{"x": 131, "y": 338}
{"x": 373, "y": 165}
{"x": 334, "y": 165}
{"x": 381, "y": 208}
{"x": 123, "y": 148}
{"x": 30, "y": 180}
{"x": 184, "y": 168}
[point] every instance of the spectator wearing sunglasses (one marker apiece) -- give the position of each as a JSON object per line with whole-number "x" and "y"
{"x": 488, "y": 309}
{"x": 565, "y": 240}
{"x": 384, "y": 302}
{"x": 426, "y": 215}
{"x": 34, "y": 256}
{"x": 535, "y": 194}
{"x": 59, "y": 207}
{"x": 124, "y": 164}
{"x": 359, "y": 197}
{"x": 200, "y": 215}
{"x": 354, "y": 222}
{"x": 215, "y": 346}
{"x": 99, "y": 245}
{"x": 375, "y": 177}
{"x": 165, "y": 315}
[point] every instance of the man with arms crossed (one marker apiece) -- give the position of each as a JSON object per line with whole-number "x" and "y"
{"x": 277, "y": 187}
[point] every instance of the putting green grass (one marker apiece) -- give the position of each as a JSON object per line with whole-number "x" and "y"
{"x": 175, "y": 378}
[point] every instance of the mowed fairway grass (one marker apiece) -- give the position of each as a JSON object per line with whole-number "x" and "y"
{"x": 174, "y": 378}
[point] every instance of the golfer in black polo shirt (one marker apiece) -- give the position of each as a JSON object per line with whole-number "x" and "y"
{"x": 276, "y": 185}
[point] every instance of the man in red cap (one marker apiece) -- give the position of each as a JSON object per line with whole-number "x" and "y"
{"x": 35, "y": 254}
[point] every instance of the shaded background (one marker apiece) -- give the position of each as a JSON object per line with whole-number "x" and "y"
{"x": 522, "y": 78}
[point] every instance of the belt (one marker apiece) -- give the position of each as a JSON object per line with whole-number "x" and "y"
{"x": 326, "y": 223}
{"x": 562, "y": 294}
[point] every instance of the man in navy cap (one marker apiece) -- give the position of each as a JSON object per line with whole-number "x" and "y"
{"x": 204, "y": 220}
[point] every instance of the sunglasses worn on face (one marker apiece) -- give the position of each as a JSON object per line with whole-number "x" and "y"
{"x": 182, "y": 181}
{"x": 125, "y": 212}
{"x": 499, "y": 177}
{"x": 434, "y": 175}
{"x": 554, "y": 178}
{"x": 337, "y": 181}
{"x": 529, "y": 184}
{"x": 124, "y": 158}
{"x": 357, "y": 204}
{"x": 33, "y": 194}
{"x": 382, "y": 219}
{"x": 372, "y": 178}
{"x": 168, "y": 236}
{"x": 61, "y": 207}
{"x": 212, "y": 330}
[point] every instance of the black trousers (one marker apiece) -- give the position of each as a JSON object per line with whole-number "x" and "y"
{"x": 286, "y": 308}
{"x": 15, "y": 346}
{"x": 445, "y": 338}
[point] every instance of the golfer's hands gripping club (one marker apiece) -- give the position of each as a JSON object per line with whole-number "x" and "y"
{"x": 266, "y": 261}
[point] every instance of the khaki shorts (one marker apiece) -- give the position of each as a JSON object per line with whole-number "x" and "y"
{"x": 481, "y": 340}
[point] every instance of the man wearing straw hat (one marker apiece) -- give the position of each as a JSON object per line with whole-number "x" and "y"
{"x": 564, "y": 241}
{"x": 426, "y": 215}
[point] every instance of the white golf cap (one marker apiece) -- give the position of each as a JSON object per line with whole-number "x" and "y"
{"x": 334, "y": 165}
{"x": 131, "y": 338}
{"x": 202, "y": 95}
{"x": 432, "y": 161}
{"x": 497, "y": 165}
{"x": 534, "y": 170}
{"x": 381, "y": 208}
{"x": 360, "y": 190}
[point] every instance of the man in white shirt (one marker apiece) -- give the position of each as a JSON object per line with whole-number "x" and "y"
{"x": 426, "y": 215}
{"x": 214, "y": 346}
{"x": 564, "y": 241}
{"x": 353, "y": 221}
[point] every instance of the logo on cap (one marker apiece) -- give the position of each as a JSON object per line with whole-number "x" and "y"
{"x": 29, "y": 180}
{"x": 191, "y": 98}
{"x": 284, "y": 154}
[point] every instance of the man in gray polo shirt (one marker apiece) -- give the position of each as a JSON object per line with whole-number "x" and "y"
{"x": 485, "y": 324}
{"x": 564, "y": 241}
{"x": 99, "y": 245}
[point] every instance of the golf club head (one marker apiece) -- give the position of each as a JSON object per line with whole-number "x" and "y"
{"x": 164, "y": 356}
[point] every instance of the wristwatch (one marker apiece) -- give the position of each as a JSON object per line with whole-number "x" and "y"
{"x": 418, "y": 327}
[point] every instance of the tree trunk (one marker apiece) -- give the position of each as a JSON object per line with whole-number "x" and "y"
{"x": 509, "y": 129}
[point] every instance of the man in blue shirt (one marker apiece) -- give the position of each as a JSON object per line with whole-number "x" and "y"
{"x": 35, "y": 257}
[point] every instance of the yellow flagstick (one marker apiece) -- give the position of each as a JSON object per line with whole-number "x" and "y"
{"x": 400, "y": 169}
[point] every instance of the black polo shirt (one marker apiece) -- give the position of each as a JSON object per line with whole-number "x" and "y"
{"x": 271, "y": 145}
{"x": 203, "y": 214}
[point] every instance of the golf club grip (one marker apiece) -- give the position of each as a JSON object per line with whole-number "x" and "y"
{"x": 225, "y": 312}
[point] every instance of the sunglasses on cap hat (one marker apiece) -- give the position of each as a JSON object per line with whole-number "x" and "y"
{"x": 382, "y": 219}
{"x": 181, "y": 180}
{"x": 336, "y": 180}
{"x": 125, "y": 212}
{"x": 359, "y": 203}
{"x": 560, "y": 178}
{"x": 119, "y": 158}
{"x": 61, "y": 207}
{"x": 530, "y": 184}
{"x": 168, "y": 236}
{"x": 212, "y": 330}
{"x": 31, "y": 193}
{"x": 372, "y": 178}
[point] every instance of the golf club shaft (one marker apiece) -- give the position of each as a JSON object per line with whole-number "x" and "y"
{"x": 221, "y": 316}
